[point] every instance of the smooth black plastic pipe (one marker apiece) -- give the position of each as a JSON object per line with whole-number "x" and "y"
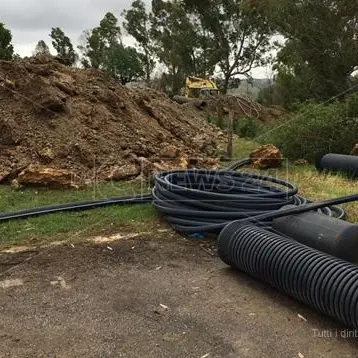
{"x": 328, "y": 234}
{"x": 338, "y": 163}
{"x": 326, "y": 283}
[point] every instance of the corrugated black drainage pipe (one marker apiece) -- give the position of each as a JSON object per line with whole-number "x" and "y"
{"x": 328, "y": 284}
{"x": 338, "y": 163}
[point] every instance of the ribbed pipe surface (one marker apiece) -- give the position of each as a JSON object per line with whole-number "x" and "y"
{"x": 324, "y": 282}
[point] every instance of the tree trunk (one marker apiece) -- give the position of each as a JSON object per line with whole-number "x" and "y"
{"x": 230, "y": 133}
{"x": 226, "y": 84}
{"x": 148, "y": 77}
{"x": 147, "y": 71}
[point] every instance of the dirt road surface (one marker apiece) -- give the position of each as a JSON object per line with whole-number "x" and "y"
{"x": 151, "y": 297}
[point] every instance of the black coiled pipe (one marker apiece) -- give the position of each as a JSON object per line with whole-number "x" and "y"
{"x": 204, "y": 201}
{"x": 207, "y": 200}
{"x": 319, "y": 280}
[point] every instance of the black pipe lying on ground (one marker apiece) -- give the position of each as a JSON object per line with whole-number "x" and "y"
{"x": 328, "y": 284}
{"x": 347, "y": 164}
{"x": 330, "y": 235}
{"x": 208, "y": 201}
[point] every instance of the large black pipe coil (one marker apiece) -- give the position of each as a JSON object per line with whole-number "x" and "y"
{"x": 207, "y": 200}
{"x": 319, "y": 280}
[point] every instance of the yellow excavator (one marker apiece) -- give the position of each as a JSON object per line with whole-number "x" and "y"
{"x": 196, "y": 87}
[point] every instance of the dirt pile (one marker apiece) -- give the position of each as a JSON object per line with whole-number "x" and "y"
{"x": 241, "y": 106}
{"x": 53, "y": 116}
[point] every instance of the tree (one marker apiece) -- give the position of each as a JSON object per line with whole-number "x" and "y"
{"x": 6, "y": 48}
{"x": 63, "y": 46}
{"x": 137, "y": 23}
{"x": 241, "y": 32}
{"x": 178, "y": 43}
{"x": 123, "y": 63}
{"x": 42, "y": 48}
{"x": 99, "y": 39}
{"x": 321, "y": 48}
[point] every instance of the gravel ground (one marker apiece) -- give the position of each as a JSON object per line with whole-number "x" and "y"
{"x": 159, "y": 296}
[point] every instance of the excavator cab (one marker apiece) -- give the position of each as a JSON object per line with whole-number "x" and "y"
{"x": 208, "y": 92}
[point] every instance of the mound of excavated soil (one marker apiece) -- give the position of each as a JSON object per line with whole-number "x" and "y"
{"x": 65, "y": 121}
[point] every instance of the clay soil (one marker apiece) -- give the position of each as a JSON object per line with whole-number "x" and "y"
{"x": 84, "y": 122}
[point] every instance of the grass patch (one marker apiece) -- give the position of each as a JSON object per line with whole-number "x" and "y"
{"x": 311, "y": 184}
{"x": 243, "y": 148}
{"x": 76, "y": 225}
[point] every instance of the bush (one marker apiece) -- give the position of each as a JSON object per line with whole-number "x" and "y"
{"x": 248, "y": 127}
{"x": 318, "y": 128}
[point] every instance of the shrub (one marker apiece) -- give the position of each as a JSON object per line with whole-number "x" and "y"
{"x": 318, "y": 128}
{"x": 248, "y": 127}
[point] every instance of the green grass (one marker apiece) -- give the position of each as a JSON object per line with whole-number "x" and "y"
{"x": 311, "y": 184}
{"x": 243, "y": 148}
{"x": 76, "y": 225}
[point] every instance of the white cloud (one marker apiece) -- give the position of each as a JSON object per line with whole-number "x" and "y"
{"x": 31, "y": 20}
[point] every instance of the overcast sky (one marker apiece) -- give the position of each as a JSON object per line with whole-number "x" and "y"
{"x": 32, "y": 20}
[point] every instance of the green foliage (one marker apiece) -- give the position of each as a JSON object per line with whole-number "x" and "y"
{"x": 6, "y": 48}
{"x": 240, "y": 32}
{"x": 317, "y": 128}
{"x": 97, "y": 41}
{"x": 123, "y": 63}
{"x": 321, "y": 51}
{"x": 109, "y": 30}
{"x": 91, "y": 49}
{"x": 176, "y": 42}
{"x": 288, "y": 90}
{"x": 63, "y": 46}
{"x": 41, "y": 48}
{"x": 248, "y": 127}
{"x": 137, "y": 24}
{"x": 243, "y": 127}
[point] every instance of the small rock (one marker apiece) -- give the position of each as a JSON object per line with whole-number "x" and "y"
{"x": 301, "y": 318}
{"x": 46, "y": 155}
{"x": 7, "y": 84}
{"x": 267, "y": 156}
{"x": 210, "y": 163}
{"x": 124, "y": 172}
{"x": 39, "y": 175}
{"x": 9, "y": 132}
{"x": 86, "y": 109}
{"x": 15, "y": 184}
{"x": 146, "y": 166}
{"x": 64, "y": 87}
{"x": 169, "y": 151}
{"x": 128, "y": 154}
{"x": 4, "y": 175}
{"x": 301, "y": 162}
{"x": 52, "y": 104}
